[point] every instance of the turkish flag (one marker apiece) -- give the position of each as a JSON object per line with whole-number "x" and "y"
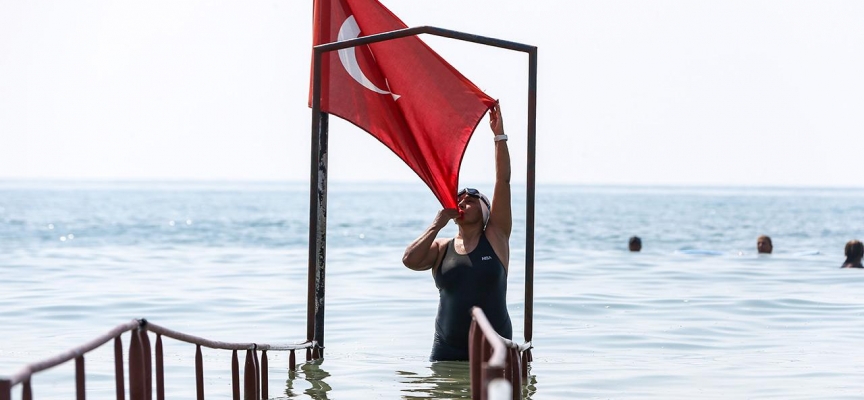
{"x": 400, "y": 91}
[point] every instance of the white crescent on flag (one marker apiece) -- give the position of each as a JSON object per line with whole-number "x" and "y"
{"x": 350, "y": 30}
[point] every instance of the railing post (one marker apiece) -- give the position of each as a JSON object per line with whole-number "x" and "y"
{"x": 257, "y": 372}
{"x": 526, "y": 358}
{"x": 27, "y": 390}
{"x": 514, "y": 372}
{"x": 148, "y": 363}
{"x": 249, "y": 377}
{"x": 160, "y": 369}
{"x": 265, "y": 377}
{"x": 79, "y": 378}
{"x": 292, "y": 361}
{"x": 199, "y": 372}
{"x": 235, "y": 376}
{"x": 485, "y": 352}
{"x": 5, "y": 389}
{"x": 118, "y": 368}
{"x": 136, "y": 367}
{"x": 474, "y": 358}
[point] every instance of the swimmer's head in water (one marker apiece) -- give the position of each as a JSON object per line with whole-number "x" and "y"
{"x": 482, "y": 202}
{"x": 854, "y": 251}
{"x": 764, "y": 245}
{"x": 635, "y": 244}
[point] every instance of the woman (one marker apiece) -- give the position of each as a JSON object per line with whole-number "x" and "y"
{"x": 470, "y": 269}
{"x": 854, "y": 252}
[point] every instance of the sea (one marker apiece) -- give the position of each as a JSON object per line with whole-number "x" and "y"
{"x": 696, "y": 314}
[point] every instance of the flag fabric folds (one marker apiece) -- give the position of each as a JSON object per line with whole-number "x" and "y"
{"x": 400, "y": 91}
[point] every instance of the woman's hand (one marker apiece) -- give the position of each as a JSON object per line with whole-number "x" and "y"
{"x": 495, "y": 120}
{"x": 443, "y": 218}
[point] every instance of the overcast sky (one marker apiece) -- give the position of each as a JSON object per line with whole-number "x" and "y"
{"x": 630, "y": 92}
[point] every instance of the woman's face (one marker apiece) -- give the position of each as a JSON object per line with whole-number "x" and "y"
{"x": 471, "y": 211}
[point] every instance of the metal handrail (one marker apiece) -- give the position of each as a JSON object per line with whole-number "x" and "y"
{"x": 26, "y": 372}
{"x": 184, "y": 337}
{"x": 498, "y": 365}
{"x": 140, "y": 366}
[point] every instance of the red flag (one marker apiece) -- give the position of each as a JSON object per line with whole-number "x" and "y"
{"x": 400, "y": 91}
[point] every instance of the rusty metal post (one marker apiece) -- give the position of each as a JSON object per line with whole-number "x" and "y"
{"x": 148, "y": 364}
{"x": 317, "y": 214}
{"x": 199, "y": 372}
{"x": 485, "y": 353}
{"x": 292, "y": 361}
{"x": 118, "y": 368}
{"x": 257, "y": 372}
{"x": 235, "y": 376}
{"x": 136, "y": 367}
{"x": 526, "y": 358}
{"x": 474, "y": 358}
{"x": 5, "y": 389}
{"x": 490, "y": 373}
{"x": 514, "y": 372}
{"x": 265, "y": 377}
{"x": 249, "y": 377}
{"x": 531, "y": 195}
{"x": 79, "y": 378}
{"x": 160, "y": 369}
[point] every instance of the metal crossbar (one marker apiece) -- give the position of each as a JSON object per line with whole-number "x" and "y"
{"x": 140, "y": 361}
{"x": 498, "y": 365}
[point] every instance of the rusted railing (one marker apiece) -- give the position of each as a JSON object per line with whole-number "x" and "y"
{"x": 255, "y": 376}
{"x": 498, "y": 366}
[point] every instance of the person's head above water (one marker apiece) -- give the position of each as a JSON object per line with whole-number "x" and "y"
{"x": 473, "y": 206}
{"x": 854, "y": 251}
{"x": 763, "y": 245}
{"x": 635, "y": 244}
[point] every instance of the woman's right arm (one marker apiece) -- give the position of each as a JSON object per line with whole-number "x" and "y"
{"x": 421, "y": 254}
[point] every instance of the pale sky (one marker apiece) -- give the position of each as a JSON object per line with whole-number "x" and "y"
{"x": 630, "y": 92}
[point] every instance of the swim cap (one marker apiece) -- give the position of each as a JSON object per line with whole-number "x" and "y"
{"x": 485, "y": 206}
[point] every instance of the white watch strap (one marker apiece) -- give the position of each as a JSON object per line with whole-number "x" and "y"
{"x": 499, "y": 138}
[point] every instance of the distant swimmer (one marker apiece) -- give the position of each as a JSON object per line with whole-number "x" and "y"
{"x": 854, "y": 252}
{"x": 635, "y": 244}
{"x": 471, "y": 269}
{"x": 763, "y": 245}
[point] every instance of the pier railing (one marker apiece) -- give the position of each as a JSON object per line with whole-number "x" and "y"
{"x": 498, "y": 366}
{"x": 141, "y": 366}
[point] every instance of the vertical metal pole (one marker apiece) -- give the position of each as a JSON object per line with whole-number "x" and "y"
{"x": 136, "y": 366}
{"x": 199, "y": 373}
{"x": 160, "y": 369}
{"x": 317, "y": 213}
{"x": 80, "y": 392}
{"x": 529, "y": 212}
{"x": 118, "y": 367}
{"x": 5, "y": 389}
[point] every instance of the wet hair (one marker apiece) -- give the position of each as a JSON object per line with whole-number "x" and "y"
{"x": 634, "y": 240}
{"x": 854, "y": 251}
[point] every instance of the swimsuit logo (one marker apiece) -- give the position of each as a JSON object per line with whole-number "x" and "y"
{"x": 486, "y": 258}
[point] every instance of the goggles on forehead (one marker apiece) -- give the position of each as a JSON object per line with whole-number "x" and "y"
{"x": 475, "y": 194}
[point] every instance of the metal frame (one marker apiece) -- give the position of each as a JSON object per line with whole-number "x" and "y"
{"x": 318, "y": 178}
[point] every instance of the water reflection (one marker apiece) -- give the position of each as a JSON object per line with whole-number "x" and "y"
{"x": 448, "y": 380}
{"x": 311, "y": 372}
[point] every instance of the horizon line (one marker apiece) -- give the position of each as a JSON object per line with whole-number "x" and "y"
{"x": 198, "y": 181}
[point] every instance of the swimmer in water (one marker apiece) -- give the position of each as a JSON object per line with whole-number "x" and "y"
{"x": 763, "y": 245}
{"x": 470, "y": 269}
{"x": 854, "y": 252}
{"x": 635, "y": 244}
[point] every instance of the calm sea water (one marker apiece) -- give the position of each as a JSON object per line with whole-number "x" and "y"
{"x": 697, "y": 314}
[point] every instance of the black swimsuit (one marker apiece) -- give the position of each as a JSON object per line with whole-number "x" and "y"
{"x": 476, "y": 279}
